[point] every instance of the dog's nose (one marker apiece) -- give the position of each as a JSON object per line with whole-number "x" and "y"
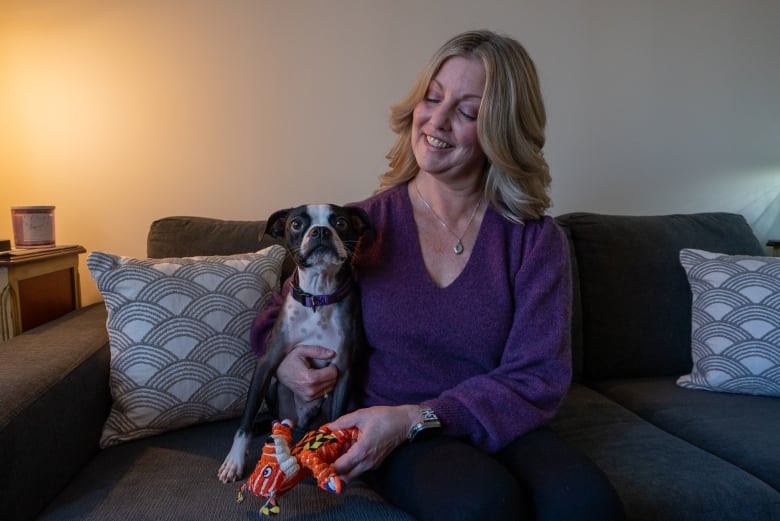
{"x": 320, "y": 233}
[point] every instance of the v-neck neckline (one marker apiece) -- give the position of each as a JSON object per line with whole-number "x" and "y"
{"x": 420, "y": 258}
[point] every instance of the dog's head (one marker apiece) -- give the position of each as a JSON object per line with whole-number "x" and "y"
{"x": 318, "y": 234}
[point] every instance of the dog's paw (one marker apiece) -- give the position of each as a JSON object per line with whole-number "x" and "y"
{"x": 233, "y": 466}
{"x": 230, "y": 471}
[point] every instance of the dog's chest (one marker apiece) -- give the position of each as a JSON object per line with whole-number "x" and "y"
{"x": 324, "y": 327}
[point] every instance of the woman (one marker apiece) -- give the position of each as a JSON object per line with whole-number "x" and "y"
{"x": 466, "y": 295}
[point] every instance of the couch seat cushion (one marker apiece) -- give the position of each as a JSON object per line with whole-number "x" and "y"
{"x": 741, "y": 429}
{"x": 173, "y": 476}
{"x": 656, "y": 474}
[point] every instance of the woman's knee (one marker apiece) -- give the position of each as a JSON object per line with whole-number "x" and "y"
{"x": 446, "y": 479}
{"x": 562, "y": 482}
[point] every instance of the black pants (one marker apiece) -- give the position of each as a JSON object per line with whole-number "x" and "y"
{"x": 537, "y": 477}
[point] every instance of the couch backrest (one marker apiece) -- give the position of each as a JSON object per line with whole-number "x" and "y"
{"x": 183, "y": 236}
{"x": 192, "y": 236}
{"x": 632, "y": 314}
{"x": 632, "y": 301}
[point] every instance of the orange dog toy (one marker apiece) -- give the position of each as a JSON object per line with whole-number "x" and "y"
{"x": 281, "y": 468}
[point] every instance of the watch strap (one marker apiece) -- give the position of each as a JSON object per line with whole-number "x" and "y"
{"x": 430, "y": 424}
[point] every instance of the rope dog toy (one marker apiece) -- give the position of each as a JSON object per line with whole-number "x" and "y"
{"x": 281, "y": 467}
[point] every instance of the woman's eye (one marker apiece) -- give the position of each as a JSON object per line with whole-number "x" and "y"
{"x": 432, "y": 97}
{"x": 467, "y": 115}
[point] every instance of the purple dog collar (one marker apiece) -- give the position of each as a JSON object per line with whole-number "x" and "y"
{"x": 315, "y": 301}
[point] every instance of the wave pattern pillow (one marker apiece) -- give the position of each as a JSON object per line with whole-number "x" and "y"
{"x": 736, "y": 323}
{"x": 179, "y": 335}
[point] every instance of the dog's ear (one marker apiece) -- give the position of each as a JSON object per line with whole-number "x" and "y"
{"x": 360, "y": 221}
{"x": 276, "y": 223}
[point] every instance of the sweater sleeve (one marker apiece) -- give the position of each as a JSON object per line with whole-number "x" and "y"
{"x": 264, "y": 321}
{"x": 525, "y": 390}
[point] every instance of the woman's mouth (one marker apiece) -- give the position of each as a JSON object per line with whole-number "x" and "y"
{"x": 436, "y": 143}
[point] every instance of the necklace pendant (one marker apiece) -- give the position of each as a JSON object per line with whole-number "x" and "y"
{"x": 458, "y": 249}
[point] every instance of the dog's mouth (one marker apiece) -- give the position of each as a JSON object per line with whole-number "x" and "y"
{"x": 321, "y": 246}
{"x": 321, "y": 252}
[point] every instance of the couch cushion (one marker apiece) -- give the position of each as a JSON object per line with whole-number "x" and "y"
{"x": 179, "y": 334}
{"x": 182, "y": 236}
{"x": 635, "y": 298}
{"x": 173, "y": 476}
{"x": 657, "y": 474}
{"x": 740, "y": 429}
{"x": 576, "y": 315}
{"x": 736, "y": 323}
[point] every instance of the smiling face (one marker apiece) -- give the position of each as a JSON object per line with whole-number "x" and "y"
{"x": 444, "y": 123}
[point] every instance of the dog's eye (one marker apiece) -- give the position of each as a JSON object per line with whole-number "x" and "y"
{"x": 342, "y": 223}
{"x": 296, "y": 225}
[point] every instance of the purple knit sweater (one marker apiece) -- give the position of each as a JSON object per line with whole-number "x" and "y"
{"x": 490, "y": 353}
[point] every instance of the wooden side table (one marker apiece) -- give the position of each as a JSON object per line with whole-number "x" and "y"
{"x": 37, "y": 286}
{"x": 775, "y": 245}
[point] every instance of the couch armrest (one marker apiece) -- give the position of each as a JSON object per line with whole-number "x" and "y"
{"x": 54, "y": 398}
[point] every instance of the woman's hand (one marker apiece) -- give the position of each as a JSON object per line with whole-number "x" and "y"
{"x": 302, "y": 377}
{"x": 382, "y": 429}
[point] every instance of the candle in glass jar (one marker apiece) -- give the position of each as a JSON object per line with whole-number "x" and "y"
{"x": 33, "y": 226}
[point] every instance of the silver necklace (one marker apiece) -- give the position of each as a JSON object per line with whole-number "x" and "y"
{"x": 458, "y": 248}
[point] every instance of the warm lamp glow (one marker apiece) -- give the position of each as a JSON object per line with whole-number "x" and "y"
{"x": 56, "y": 103}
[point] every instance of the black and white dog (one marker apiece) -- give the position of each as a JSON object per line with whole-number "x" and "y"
{"x": 322, "y": 308}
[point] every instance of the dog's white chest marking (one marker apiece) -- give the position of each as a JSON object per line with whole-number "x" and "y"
{"x": 307, "y": 327}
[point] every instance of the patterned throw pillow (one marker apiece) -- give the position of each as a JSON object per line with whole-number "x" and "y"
{"x": 736, "y": 323}
{"x": 179, "y": 334}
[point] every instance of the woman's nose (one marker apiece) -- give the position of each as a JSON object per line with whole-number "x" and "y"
{"x": 440, "y": 118}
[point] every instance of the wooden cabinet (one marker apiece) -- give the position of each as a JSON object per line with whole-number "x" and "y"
{"x": 37, "y": 286}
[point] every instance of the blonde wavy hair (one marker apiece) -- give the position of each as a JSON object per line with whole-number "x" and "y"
{"x": 510, "y": 124}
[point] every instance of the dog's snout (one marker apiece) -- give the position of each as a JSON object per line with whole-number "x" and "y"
{"x": 320, "y": 233}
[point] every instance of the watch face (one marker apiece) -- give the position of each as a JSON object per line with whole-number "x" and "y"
{"x": 428, "y": 415}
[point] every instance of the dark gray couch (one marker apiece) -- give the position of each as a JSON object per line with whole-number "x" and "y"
{"x": 672, "y": 453}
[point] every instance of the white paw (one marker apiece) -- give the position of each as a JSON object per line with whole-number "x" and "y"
{"x": 230, "y": 470}
{"x": 233, "y": 466}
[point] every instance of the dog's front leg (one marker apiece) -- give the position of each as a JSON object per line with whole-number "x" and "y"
{"x": 233, "y": 466}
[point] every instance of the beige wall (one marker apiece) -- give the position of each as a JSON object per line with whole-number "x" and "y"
{"x": 121, "y": 112}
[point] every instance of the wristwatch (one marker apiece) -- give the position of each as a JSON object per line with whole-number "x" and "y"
{"x": 429, "y": 426}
